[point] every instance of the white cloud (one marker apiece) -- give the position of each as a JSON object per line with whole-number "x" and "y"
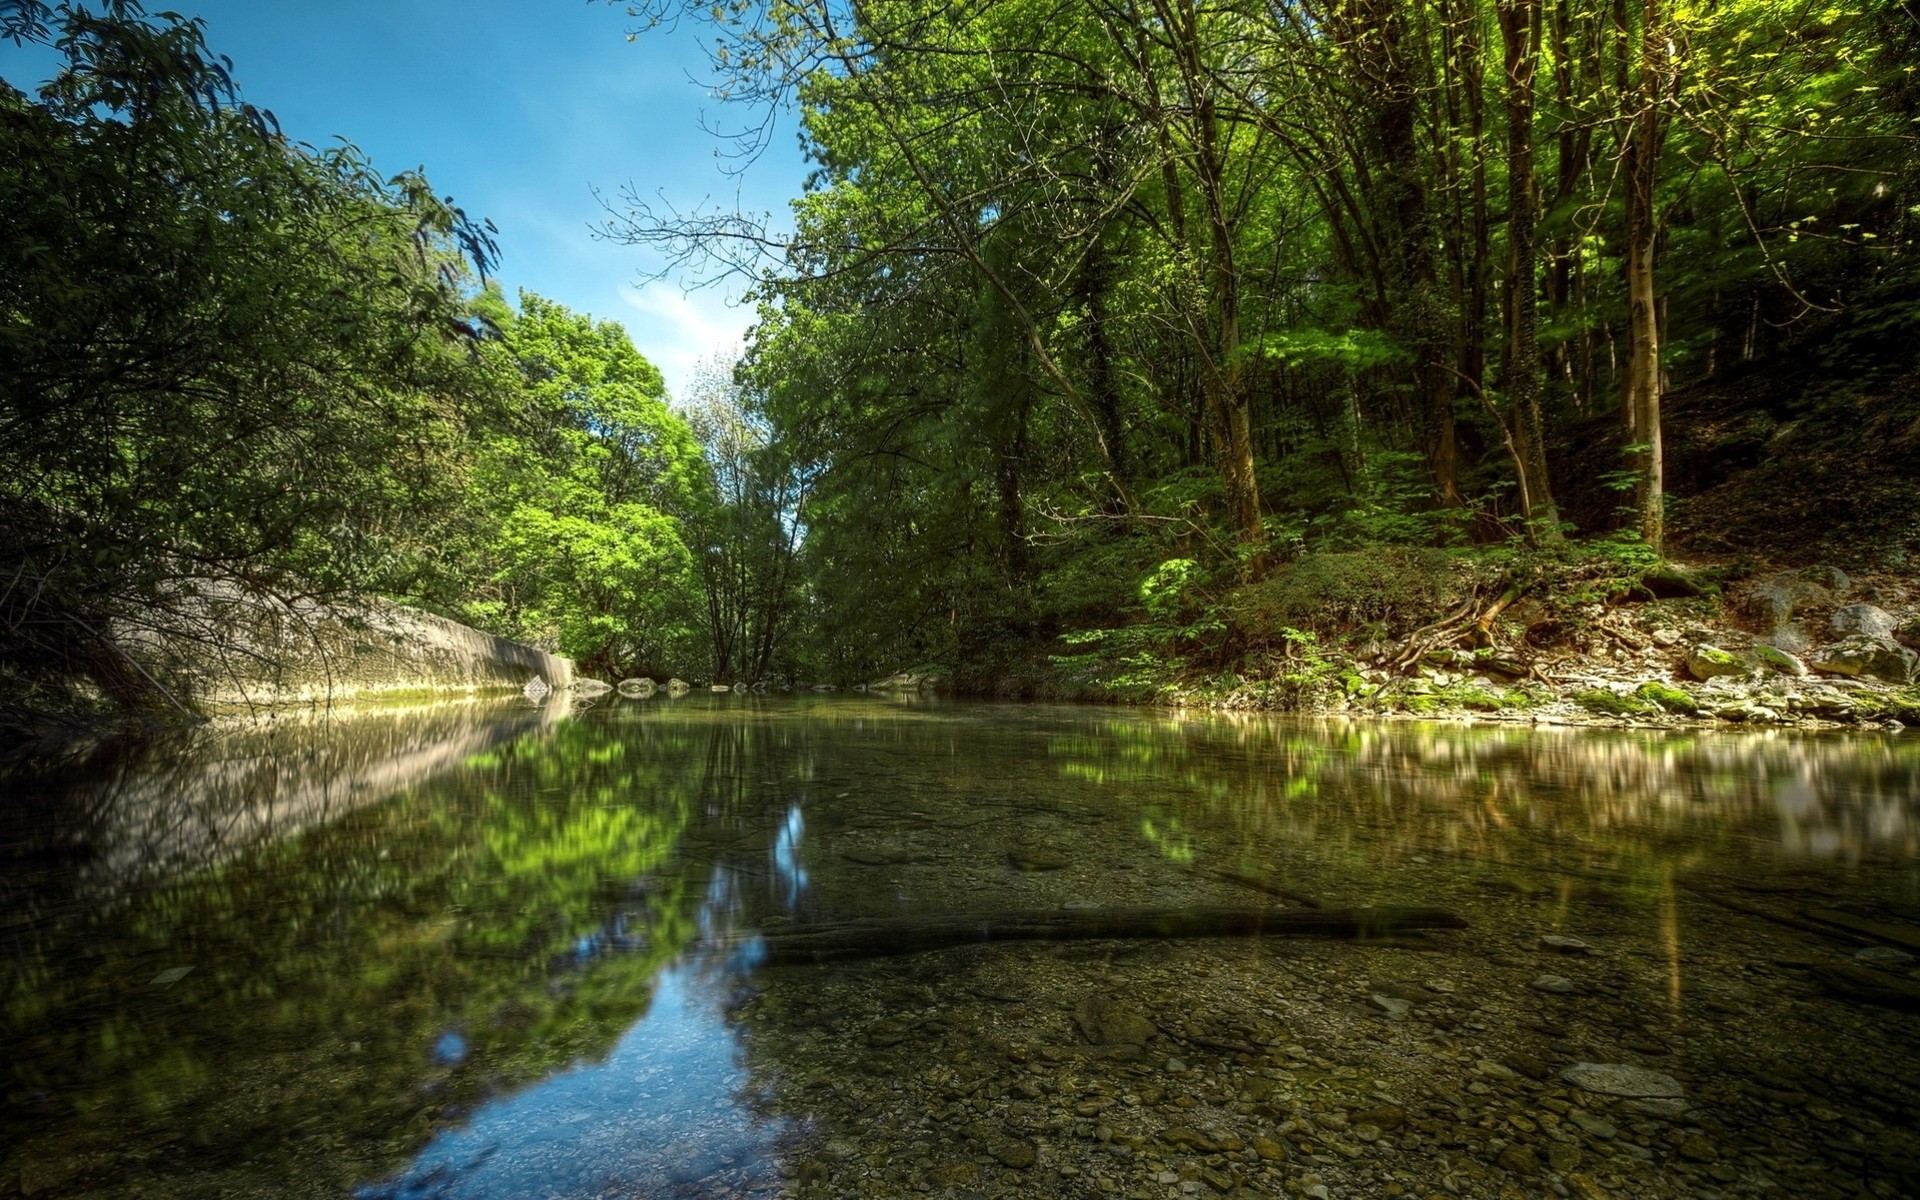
{"x": 677, "y": 329}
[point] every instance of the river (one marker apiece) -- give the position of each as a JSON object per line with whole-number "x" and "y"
{"x": 500, "y": 950}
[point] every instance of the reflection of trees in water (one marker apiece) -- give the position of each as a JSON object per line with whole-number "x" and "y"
{"x": 186, "y": 801}
{"x": 354, "y": 984}
{"x": 1518, "y": 794}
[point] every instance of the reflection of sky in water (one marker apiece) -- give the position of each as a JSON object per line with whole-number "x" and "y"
{"x": 786, "y": 857}
{"x": 668, "y": 1107}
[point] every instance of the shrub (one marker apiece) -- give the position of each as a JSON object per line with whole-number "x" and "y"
{"x": 1389, "y": 588}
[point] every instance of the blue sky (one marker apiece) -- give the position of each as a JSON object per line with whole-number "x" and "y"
{"x": 517, "y": 109}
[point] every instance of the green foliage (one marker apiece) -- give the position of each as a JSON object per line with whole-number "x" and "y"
{"x": 229, "y": 361}
{"x": 1383, "y": 588}
{"x": 574, "y": 536}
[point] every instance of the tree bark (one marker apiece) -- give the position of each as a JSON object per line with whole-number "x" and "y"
{"x": 1519, "y": 31}
{"x": 1640, "y": 168}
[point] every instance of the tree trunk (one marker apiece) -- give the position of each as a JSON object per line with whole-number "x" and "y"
{"x": 1519, "y": 31}
{"x": 877, "y": 937}
{"x": 1640, "y": 168}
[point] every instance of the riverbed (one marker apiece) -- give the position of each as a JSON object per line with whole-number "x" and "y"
{"x": 489, "y": 950}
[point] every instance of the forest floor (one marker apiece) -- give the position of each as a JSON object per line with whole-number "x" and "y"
{"x": 1574, "y": 643}
{"x": 1811, "y": 647}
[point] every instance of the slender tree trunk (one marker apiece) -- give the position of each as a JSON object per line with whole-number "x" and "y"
{"x": 1519, "y": 30}
{"x": 1640, "y": 169}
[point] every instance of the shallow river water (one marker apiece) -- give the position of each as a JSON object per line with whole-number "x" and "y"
{"x": 502, "y": 951}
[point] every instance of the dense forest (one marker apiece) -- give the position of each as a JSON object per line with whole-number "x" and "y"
{"x": 1108, "y": 338}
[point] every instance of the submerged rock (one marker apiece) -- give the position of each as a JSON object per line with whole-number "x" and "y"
{"x": 1105, "y": 1021}
{"x": 1623, "y": 1079}
{"x": 1557, "y": 984}
{"x": 636, "y": 689}
{"x": 1561, "y": 944}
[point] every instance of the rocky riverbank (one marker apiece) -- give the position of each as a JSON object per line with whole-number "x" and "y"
{"x": 1813, "y": 648}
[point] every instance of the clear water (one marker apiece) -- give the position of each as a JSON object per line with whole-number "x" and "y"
{"x": 487, "y": 951}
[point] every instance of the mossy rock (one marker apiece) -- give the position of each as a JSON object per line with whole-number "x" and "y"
{"x": 1779, "y": 661}
{"x": 1612, "y": 704}
{"x": 1901, "y": 704}
{"x": 1477, "y": 699}
{"x": 1668, "y": 697}
{"x": 1668, "y": 582}
{"x": 1707, "y": 662}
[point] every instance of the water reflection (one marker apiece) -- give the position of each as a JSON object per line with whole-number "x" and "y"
{"x": 669, "y": 1110}
{"x": 462, "y": 953}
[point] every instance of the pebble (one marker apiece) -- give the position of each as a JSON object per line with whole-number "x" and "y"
{"x": 1591, "y": 1125}
{"x": 1557, "y": 984}
{"x": 1883, "y": 956}
{"x": 1015, "y": 1152}
{"x": 1622, "y": 1079}
{"x": 1395, "y": 1008}
{"x": 1561, "y": 944}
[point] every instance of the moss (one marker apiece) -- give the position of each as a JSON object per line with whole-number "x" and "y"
{"x": 1668, "y": 697}
{"x": 1421, "y": 704}
{"x": 1778, "y": 660}
{"x": 1473, "y": 697}
{"x": 1716, "y": 656}
{"x": 1899, "y": 704}
{"x": 1613, "y": 705}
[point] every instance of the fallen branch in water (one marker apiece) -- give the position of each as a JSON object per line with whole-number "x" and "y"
{"x": 879, "y": 937}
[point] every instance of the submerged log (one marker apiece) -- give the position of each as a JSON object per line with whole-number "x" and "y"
{"x": 879, "y": 937}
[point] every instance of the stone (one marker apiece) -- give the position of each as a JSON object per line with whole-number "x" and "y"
{"x": 1563, "y": 1156}
{"x": 1653, "y": 1106}
{"x": 1909, "y": 632}
{"x": 1269, "y": 1150}
{"x": 1879, "y": 658}
{"x": 1698, "y": 1149}
{"x": 1779, "y": 661}
{"x": 1495, "y": 1070}
{"x": 1711, "y": 662}
{"x": 638, "y": 688}
{"x": 1561, "y": 944}
{"x": 1622, "y": 1079}
{"x": 717, "y": 688}
{"x": 1865, "y": 619}
{"x": 1883, "y": 956}
{"x": 1559, "y": 985}
{"x": 1386, "y": 1117}
{"x": 1520, "y": 1160}
{"x": 1592, "y": 1126}
{"x": 1393, "y": 1007}
{"x": 1014, "y": 1152}
{"x": 1526, "y": 1064}
{"x": 1108, "y": 1022}
{"x": 1037, "y": 858}
{"x": 1192, "y": 1139}
{"x": 677, "y": 687}
{"x": 1830, "y": 577}
{"x": 957, "y": 1174}
{"x": 1776, "y": 599}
